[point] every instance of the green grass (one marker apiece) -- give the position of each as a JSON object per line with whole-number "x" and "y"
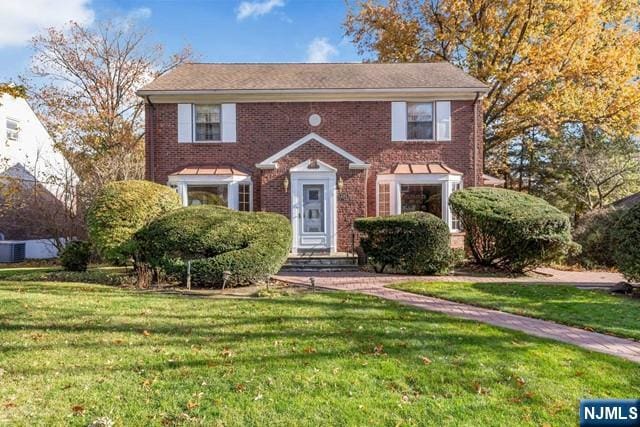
{"x": 70, "y": 353}
{"x": 590, "y": 309}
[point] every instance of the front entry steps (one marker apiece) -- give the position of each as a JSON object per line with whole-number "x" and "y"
{"x": 317, "y": 261}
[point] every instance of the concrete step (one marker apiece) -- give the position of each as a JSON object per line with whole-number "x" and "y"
{"x": 313, "y": 268}
{"x": 321, "y": 263}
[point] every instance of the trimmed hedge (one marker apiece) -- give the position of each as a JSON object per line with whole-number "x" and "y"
{"x": 512, "y": 230}
{"x": 627, "y": 243}
{"x": 249, "y": 245}
{"x": 594, "y": 232}
{"x": 75, "y": 256}
{"x": 414, "y": 243}
{"x": 120, "y": 209}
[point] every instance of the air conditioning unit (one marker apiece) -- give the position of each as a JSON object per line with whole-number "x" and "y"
{"x": 11, "y": 251}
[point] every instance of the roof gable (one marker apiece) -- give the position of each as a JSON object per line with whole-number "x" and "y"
{"x": 271, "y": 162}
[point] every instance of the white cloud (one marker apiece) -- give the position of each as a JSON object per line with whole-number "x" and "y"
{"x": 21, "y": 20}
{"x": 139, "y": 14}
{"x": 320, "y": 50}
{"x": 256, "y": 8}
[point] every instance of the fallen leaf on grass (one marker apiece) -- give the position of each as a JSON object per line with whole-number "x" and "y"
{"x": 192, "y": 405}
{"x": 479, "y": 389}
{"x": 425, "y": 360}
{"x": 8, "y": 405}
{"x": 240, "y": 387}
{"x": 309, "y": 350}
{"x": 146, "y": 333}
{"x": 520, "y": 381}
{"x": 77, "y": 409}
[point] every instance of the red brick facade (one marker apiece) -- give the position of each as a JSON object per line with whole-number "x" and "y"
{"x": 362, "y": 128}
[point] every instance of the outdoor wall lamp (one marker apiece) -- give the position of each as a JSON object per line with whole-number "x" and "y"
{"x": 285, "y": 184}
{"x": 340, "y": 184}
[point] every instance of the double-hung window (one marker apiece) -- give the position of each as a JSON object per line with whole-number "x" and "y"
{"x": 207, "y": 122}
{"x": 420, "y": 123}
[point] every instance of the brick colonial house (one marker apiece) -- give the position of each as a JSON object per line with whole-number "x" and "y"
{"x": 322, "y": 144}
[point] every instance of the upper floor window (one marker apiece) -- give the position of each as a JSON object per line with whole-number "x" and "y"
{"x": 207, "y": 122}
{"x": 13, "y": 129}
{"x": 420, "y": 120}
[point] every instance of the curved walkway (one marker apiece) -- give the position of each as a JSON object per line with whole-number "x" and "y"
{"x": 374, "y": 284}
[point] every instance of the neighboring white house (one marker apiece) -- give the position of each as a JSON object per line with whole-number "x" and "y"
{"x": 28, "y": 156}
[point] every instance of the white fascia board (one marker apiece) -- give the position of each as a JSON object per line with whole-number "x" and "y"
{"x": 270, "y": 163}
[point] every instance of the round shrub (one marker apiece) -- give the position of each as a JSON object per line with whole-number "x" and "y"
{"x": 627, "y": 243}
{"x": 120, "y": 209}
{"x": 413, "y": 243}
{"x": 512, "y": 230}
{"x": 594, "y": 233}
{"x": 249, "y": 245}
{"x": 75, "y": 256}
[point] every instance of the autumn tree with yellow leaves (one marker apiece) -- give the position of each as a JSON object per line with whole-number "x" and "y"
{"x": 548, "y": 64}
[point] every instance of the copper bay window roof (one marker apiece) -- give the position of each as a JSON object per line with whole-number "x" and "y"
{"x": 209, "y": 170}
{"x": 422, "y": 168}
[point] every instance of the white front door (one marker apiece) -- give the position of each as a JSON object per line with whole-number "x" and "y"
{"x": 313, "y": 207}
{"x": 313, "y": 230}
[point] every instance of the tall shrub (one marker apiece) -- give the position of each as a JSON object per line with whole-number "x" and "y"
{"x": 512, "y": 230}
{"x": 120, "y": 209}
{"x": 627, "y": 243}
{"x": 249, "y": 245}
{"x": 414, "y": 243}
{"x": 594, "y": 232}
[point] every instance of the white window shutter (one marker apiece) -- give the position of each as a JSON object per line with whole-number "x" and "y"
{"x": 228, "y": 122}
{"x": 443, "y": 116}
{"x": 398, "y": 121}
{"x": 185, "y": 123}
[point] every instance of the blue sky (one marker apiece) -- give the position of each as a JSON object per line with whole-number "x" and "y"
{"x": 218, "y": 30}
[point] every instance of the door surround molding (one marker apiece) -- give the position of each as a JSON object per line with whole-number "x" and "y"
{"x": 314, "y": 172}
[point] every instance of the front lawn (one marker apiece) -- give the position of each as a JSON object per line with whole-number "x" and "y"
{"x": 71, "y": 353}
{"x": 591, "y": 309}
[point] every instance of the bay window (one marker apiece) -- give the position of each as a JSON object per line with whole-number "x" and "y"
{"x": 418, "y": 192}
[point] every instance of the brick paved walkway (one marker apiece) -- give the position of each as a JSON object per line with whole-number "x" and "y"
{"x": 374, "y": 284}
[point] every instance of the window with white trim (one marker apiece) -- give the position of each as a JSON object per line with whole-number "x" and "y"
{"x": 244, "y": 197}
{"x": 384, "y": 199}
{"x": 207, "y": 122}
{"x": 456, "y": 224}
{"x": 420, "y": 123}
{"x": 421, "y": 198}
{"x": 207, "y": 195}
{"x": 13, "y": 129}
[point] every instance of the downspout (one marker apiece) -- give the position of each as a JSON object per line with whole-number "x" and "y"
{"x": 151, "y": 134}
{"x": 475, "y": 141}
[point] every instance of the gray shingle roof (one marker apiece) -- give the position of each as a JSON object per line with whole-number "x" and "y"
{"x": 225, "y": 77}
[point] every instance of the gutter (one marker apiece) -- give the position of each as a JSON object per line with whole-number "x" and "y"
{"x": 475, "y": 140}
{"x": 147, "y": 92}
{"x": 151, "y": 135}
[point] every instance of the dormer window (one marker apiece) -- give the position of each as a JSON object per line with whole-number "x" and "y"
{"x": 13, "y": 129}
{"x": 207, "y": 122}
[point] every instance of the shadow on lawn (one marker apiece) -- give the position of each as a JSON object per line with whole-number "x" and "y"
{"x": 308, "y": 329}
